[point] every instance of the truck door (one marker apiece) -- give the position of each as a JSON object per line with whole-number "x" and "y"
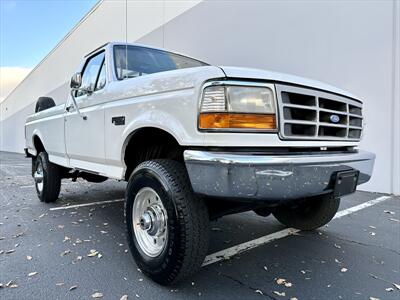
{"x": 84, "y": 131}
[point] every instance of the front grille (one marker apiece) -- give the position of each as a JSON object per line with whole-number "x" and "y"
{"x": 315, "y": 115}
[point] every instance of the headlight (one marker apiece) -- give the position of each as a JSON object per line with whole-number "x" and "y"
{"x": 238, "y": 107}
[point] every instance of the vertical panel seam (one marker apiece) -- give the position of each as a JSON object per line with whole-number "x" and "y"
{"x": 395, "y": 136}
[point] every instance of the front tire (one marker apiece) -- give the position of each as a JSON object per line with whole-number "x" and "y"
{"x": 47, "y": 178}
{"x": 310, "y": 214}
{"x": 160, "y": 206}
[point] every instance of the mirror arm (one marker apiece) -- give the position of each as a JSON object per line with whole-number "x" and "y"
{"x": 84, "y": 117}
{"x": 73, "y": 90}
{"x": 74, "y": 101}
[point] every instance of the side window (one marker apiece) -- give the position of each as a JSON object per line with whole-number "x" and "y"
{"x": 101, "y": 81}
{"x": 90, "y": 73}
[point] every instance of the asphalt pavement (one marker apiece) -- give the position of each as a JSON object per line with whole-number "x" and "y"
{"x": 76, "y": 249}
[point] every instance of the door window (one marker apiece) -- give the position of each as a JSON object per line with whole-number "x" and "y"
{"x": 91, "y": 73}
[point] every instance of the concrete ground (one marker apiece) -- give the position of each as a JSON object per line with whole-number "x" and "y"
{"x": 44, "y": 252}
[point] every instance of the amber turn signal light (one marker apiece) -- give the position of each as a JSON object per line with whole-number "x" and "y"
{"x": 237, "y": 121}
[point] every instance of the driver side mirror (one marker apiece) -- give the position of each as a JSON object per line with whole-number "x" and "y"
{"x": 76, "y": 81}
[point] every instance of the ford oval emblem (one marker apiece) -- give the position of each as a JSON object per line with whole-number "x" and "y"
{"x": 334, "y": 119}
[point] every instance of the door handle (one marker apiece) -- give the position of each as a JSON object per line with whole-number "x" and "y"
{"x": 68, "y": 108}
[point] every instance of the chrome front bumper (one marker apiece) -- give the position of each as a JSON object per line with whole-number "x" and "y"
{"x": 271, "y": 177}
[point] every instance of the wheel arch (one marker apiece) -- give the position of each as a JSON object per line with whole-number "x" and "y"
{"x": 150, "y": 142}
{"x": 37, "y": 143}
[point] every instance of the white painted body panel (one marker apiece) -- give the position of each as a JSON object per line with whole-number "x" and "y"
{"x": 166, "y": 100}
{"x": 48, "y": 125}
{"x": 235, "y": 72}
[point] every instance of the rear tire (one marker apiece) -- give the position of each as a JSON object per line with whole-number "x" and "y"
{"x": 183, "y": 217}
{"x": 47, "y": 178}
{"x": 310, "y": 214}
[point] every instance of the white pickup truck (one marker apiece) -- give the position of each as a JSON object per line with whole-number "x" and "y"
{"x": 196, "y": 142}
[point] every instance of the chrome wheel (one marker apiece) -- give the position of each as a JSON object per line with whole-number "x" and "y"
{"x": 150, "y": 222}
{"x": 38, "y": 176}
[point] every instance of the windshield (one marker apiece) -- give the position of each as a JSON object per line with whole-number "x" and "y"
{"x": 134, "y": 61}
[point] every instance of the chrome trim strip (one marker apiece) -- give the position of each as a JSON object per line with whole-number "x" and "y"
{"x": 232, "y": 158}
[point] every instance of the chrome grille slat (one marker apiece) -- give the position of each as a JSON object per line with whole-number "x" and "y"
{"x": 300, "y": 106}
{"x": 306, "y": 114}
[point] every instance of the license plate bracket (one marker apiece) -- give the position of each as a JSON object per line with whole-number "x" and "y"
{"x": 345, "y": 182}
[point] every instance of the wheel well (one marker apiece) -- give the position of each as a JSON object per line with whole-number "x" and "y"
{"x": 37, "y": 143}
{"x": 150, "y": 143}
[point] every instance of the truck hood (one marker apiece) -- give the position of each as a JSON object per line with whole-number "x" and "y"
{"x": 235, "y": 72}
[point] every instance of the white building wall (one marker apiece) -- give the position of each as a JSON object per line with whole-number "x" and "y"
{"x": 351, "y": 44}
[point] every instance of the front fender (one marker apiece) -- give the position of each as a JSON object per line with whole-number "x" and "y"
{"x": 160, "y": 120}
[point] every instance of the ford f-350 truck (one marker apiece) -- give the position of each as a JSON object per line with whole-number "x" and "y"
{"x": 196, "y": 142}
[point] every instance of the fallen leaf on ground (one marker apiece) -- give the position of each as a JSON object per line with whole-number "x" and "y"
{"x": 65, "y": 252}
{"x": 280, "y": 281}
{"x": 293, "y": 298}
{"x": 97, "y": 295}
{"x": 60, "y": 284}
{"x": 28, "y": 257}
{"x": 343, "y": 270}
{"x": 11, "y": 284}
{"x": 372, "y": 233}
{"x": 10, "y": 251}
{"x": 397, "y": 286}
{"x": 394, "y": 220}
{"x": 73, "y": 287}
{"x": 124, "y": 297}
{"x": 389, "y": 289}
{"x": 259, "y": 292}
{"x": 282, "y": 294}
{"x": 337, "y": 246}
{"x": 216, "y": 229}
{"x": 32, "y": 274}
{"x": 265, "y": 268}
{"x": 373, "y": 298}
{"x": 389, "y": 212}
{"x": 288, "y": 284}
{"x": 93, "y": 253}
